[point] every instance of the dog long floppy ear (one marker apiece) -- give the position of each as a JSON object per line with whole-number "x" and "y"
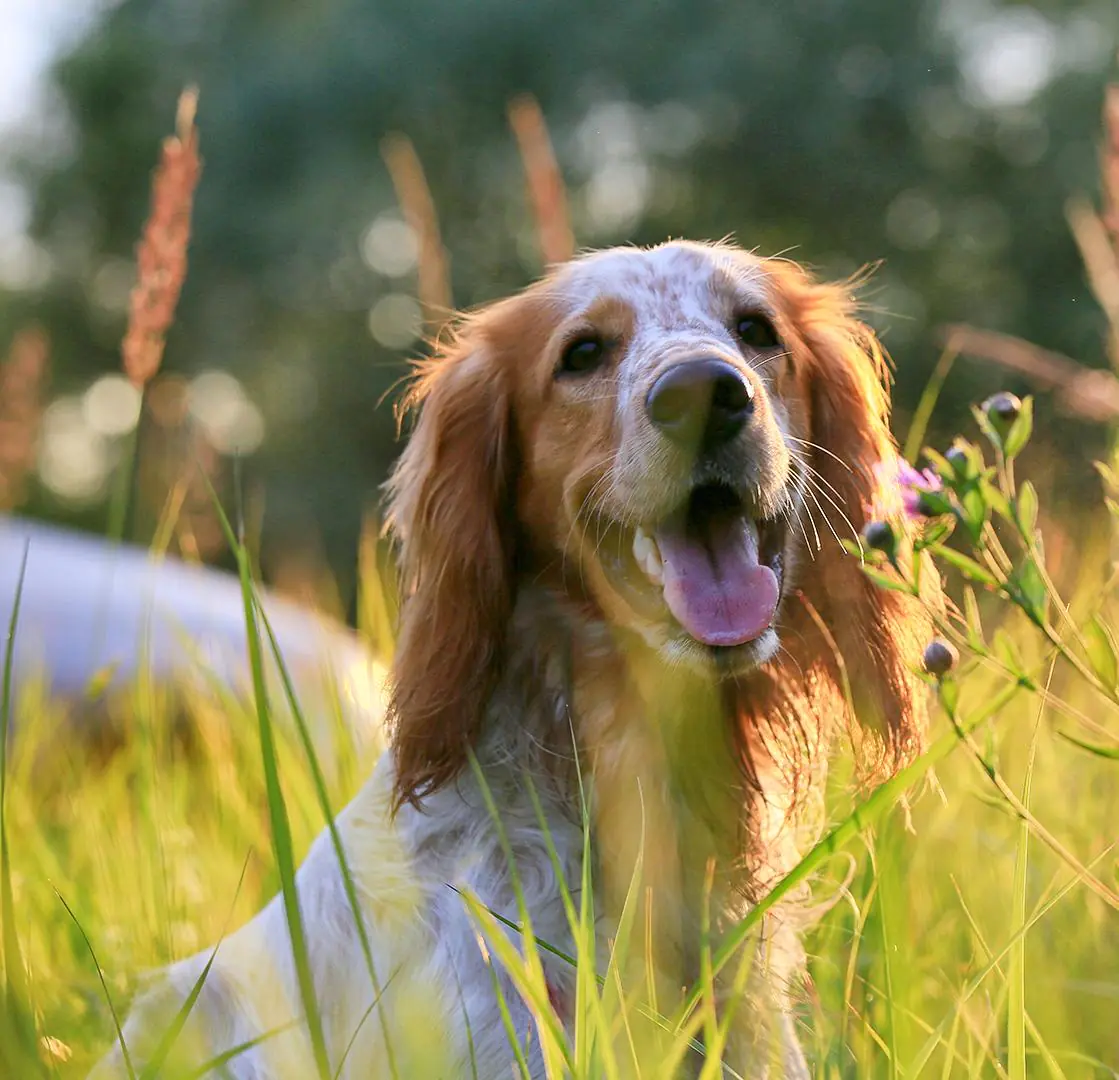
{"x": 879, "y": 635}
{"x": 449, "y": 511}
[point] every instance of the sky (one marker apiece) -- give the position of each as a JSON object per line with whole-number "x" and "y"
{"x": 31, "y": 34}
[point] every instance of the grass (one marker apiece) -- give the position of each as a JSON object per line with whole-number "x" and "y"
{"x": 948, "y": 950}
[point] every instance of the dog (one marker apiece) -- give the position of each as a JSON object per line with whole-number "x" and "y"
{"x": 630, "y": 634}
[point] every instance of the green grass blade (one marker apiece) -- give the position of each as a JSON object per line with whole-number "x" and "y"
{"x": 1045, "y": 1053}
{"x": 277, "y": 811}
{"x": 281, "y": 828}
{"x": 323, "y": 796}
{"x": 890, "y": 921}
{"x": 126, "y": 1057}
{"x": 919, "y": 425}
{"x": 374, "y": 1004}
{"x": 14, "y": 1004}
{"x": 524, "y": 968}
{"x": 506, "y": 1019}
{"x": 528, "y": 984}
{"x": 234, "y": 1052}
{"x": 124, "y": 482}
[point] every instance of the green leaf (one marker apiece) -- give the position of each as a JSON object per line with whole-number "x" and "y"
{"x": 1100, "y": 647}
{"x": 1109, "y": 752}
{"x": 936, "y": 503}
{"x": 1020, "y": 430}
{"x": 967, "y": 566}
{"x": 974, "y": 510}
{"x": 1032, "y": 594}
{"x": 975, "y": 638}
{"x": 886, "y": 581}
{"x": 998, "y": 502}
{"x": 967, "y": 461}
{"x": 1027, "y": 509}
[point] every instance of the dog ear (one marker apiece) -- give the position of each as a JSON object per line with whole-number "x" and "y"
{"x": 450, "y": 512}
{"x": 880, "y": 634}
{"x": 867, "y": 641}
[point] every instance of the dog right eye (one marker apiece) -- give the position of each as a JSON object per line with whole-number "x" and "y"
{"x": 582, "y": 356}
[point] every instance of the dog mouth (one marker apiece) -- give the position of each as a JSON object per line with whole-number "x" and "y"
{"x": 719, "y": 568}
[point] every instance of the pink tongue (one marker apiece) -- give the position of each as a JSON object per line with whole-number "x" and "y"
{"x": 714, "y": 584}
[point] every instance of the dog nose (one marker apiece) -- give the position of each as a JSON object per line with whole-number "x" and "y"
{"x": 702, "y": 403}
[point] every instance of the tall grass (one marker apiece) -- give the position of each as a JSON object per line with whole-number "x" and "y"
{"x": 978, "y": 940}
{"x": 968, "y": 931}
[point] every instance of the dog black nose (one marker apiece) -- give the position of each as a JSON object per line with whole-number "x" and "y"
{"x": 702, "y": 403}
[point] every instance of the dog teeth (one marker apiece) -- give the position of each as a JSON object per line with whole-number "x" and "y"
{"x": 648, "y": 555}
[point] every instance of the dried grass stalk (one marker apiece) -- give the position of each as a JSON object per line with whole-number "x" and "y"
{"x": 1109, "y": 161}
{"x": 1101, "y": 263}
{"x": 161, "y": 256}
{"x": 547, "y": 194}
{"x": 418, "y": 208}
{"x": 1097, "y": 235}
{"x": 1089, "y": 393}
{"x": 22, "y": 378}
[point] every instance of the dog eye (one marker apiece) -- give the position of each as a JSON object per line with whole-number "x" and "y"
{"x": 757, "y": 332}
{"x": 583, "y": 355}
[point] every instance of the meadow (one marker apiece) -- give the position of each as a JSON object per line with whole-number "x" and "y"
{"x": 969, "y": 918}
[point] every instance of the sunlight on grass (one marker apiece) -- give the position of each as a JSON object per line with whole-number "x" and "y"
{"x": 934, "y": 953}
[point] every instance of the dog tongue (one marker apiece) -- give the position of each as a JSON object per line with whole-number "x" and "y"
{"x": 714, "y": 584}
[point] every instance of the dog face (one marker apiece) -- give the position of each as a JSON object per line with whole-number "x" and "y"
{"x": 676, "y": 436}
{"x": 663, "y": 422}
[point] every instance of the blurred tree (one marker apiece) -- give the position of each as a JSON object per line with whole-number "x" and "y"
{"x": 941, "y": 136}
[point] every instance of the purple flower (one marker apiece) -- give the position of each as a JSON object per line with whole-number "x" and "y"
{"x": 913, "y": 483}
{"x": 898, "y": 481}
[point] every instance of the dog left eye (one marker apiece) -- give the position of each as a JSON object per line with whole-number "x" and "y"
{"x": 757, "y": 332}
{"x": 582, "y": 356}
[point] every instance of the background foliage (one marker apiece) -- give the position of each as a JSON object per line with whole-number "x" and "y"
{"x": 940, "y": 136}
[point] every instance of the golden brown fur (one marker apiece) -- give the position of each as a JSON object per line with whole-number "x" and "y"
{"x": 491, "y": 487}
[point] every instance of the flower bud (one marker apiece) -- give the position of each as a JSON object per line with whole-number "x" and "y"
{"x": 880, "y": 536}
{"x": 1002, "y": 410}
{"x": 940, "y": 657}
{"x": 956, "y": 456}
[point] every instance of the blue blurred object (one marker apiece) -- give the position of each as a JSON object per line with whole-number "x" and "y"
{"x": 92, "y": 612}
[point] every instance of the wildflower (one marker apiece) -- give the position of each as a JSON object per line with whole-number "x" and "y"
{"x": 956, "y": 456}
{"x": 1002, "y": 410}
{"x": 914, "y": 484}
